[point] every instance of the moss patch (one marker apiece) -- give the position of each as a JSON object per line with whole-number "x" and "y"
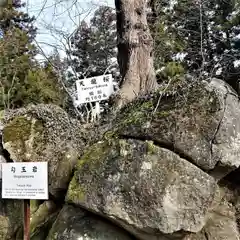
{"x": 103, "y": 163}
{"x": 93, "y": 157}
{"x": 90, "y": 162}
{"x": 41, "y": 216}
{"x": 18, "y": 129}
{"x": 2, "y": 112}
{"x": 180, "y": 100}
{"x": 75, "y": 191}
{"x": 151, "y": 148}
{"x": 24, "y": 136}
{"x": 34, "y": 204}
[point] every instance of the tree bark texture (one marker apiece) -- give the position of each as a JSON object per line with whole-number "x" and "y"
{"x": 135, "y": 50}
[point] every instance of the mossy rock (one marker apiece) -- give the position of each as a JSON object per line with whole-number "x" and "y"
{"x": 45, "y": 133}
{"x": 42, "y": 220}
{"x": 131, "y": 182}
{"x": 34, "y": 205}
{"x": 23, "y": 138}
{"x": 165, "y": 106}
{"x": 92, "y": 159}
{"x": 199, "y": 120}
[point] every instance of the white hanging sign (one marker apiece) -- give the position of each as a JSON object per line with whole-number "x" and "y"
{"x": 27, "y": 180}
{"x": 94, "y": 89}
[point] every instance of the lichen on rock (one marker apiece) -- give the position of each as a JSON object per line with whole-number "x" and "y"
{"x": 157, "y": 173}
{"x": 200, "y": 122}
{"x": 141, "y": 189}
{"x": 74, "y": 223}
{"x": 22, "y": 138}
{"x": 45, "y": 133}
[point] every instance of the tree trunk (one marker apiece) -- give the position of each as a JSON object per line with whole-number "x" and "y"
{"x": 135, "y": 50}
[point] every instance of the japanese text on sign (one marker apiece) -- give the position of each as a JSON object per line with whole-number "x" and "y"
{"x": 25, "y": 180}
{"x": 94, "y": 89}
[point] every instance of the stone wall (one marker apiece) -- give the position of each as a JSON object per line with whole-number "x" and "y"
{"x": 167, "y": 168}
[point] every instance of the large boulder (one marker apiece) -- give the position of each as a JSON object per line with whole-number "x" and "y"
{"x": 199, "y": 121}
{"x": 148, "y": 190}
{"x": 45, "y": 133}
{"x": 75, "y": 224}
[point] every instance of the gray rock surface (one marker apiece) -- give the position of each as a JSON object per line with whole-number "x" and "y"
{"x": 11, "y": 218}
{"x": 199, "y": 121}
{"x": 226, "y": 142}
{"x": 158, "y": 173}
{"x": 222, "y": 219}
{"x": 44, "y": 133}
{"x": 148, "y": 190}
{"x": 222, "y": 224}
{"x": 75, "y": 224}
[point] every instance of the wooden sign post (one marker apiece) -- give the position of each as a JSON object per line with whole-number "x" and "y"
{"x": 26, "y": 212}
{"x": 25, "y": 181}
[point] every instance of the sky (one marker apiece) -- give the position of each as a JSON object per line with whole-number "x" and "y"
{"x": 56, "y": 19}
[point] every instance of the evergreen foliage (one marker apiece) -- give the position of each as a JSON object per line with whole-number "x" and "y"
{"x": 13, "y": 16}
{"x": 22, "y": 79}
{"x": 202, "y": 36}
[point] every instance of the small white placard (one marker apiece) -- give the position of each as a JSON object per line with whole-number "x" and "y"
{"x": 27, "y": 180}
{"x": 94, "y": 89}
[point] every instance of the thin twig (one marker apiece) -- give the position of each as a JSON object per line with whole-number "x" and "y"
{"x": 160, "y": 97}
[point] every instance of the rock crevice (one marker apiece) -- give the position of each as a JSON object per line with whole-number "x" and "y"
{"x": 164, "y": 145}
